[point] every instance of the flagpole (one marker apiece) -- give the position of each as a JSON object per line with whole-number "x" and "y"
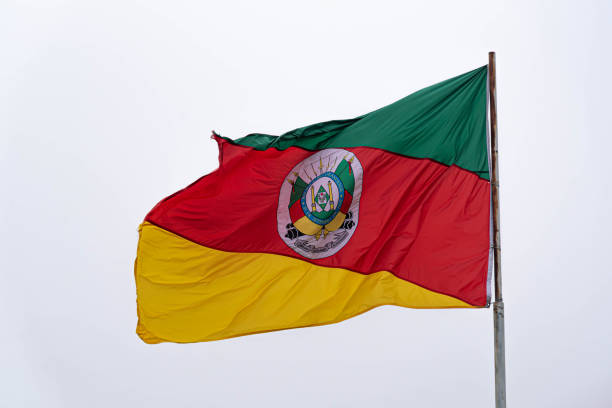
{"x": 498, "y": 305}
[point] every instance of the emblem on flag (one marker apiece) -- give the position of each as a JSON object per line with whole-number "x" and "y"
{"x": 318, "y": 206}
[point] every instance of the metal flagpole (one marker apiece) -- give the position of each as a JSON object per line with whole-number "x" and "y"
{"x": 498, "y": 305}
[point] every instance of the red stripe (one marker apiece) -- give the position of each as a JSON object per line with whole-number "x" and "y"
{"x": 423, "y": 221}
{"x": 295, "y": 211}
{"x": 346, "y": 203}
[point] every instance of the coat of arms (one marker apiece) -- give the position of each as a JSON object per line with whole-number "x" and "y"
{"x": 319, "y": 203}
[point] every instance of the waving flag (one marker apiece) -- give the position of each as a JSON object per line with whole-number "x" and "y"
{"x": 326, "y": 222}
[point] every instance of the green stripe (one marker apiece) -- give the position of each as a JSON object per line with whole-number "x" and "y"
{"x": 296, "y": 192}
{"x": 445, "y": 122}
{"x": 347, "y": 179}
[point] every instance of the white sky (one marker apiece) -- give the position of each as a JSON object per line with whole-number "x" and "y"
{"x": 106, "y": 107}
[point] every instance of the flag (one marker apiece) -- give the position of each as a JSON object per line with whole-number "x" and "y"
{"x": 326, "y": 222}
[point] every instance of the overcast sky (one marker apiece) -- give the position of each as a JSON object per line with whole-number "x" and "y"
{"x": 106, "y": 107}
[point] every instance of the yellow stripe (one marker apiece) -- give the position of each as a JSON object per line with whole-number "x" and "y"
{"x": 187, "y": 292}
{"x": 336, "y": 222}
{"x": 305, "y": 226}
